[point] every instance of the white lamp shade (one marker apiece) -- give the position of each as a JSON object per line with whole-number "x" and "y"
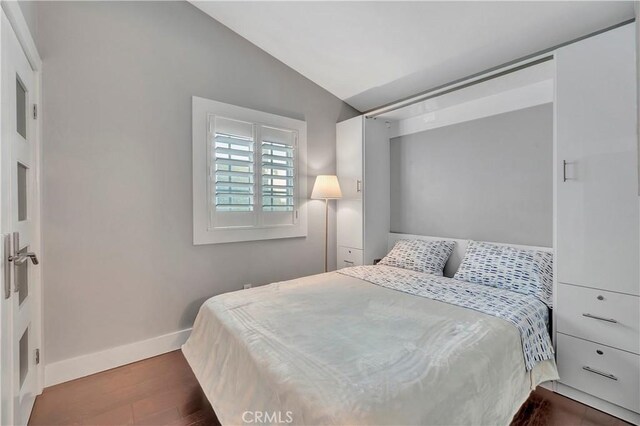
{"x": 326, "y": 187}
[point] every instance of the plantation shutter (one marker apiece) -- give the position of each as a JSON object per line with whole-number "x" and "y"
{"x": 232, "y": 180}
{"x": 249, "y": 174}
{"x": 278, "y": 184}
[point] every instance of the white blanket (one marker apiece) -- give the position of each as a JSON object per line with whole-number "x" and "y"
{"x": 528, "y": 313}
{"x": 333, "y": 349}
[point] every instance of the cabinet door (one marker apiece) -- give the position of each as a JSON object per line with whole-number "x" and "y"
{"x": 349, "y": 158}
{"x": 597, "y": 187}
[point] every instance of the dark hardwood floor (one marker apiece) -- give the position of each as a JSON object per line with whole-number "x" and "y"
{"x": 156, "y": 391}
{"x": 163, "y": 391}
{"x": 547, "y": 408}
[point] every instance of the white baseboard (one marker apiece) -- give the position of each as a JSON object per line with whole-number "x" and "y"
{"x": 84, "y": 365}
{"x": 599, "y": 404}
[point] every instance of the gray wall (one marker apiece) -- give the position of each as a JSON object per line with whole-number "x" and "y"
{"x": 119, "y": 264}
{"x": 488, "y": 179}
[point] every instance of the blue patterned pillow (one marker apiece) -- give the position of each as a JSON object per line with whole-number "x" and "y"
{"x": 419, "y": 255}
{"x": 510, "y": 268}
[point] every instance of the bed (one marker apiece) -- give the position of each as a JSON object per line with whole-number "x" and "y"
{"x": 348, "y": 347}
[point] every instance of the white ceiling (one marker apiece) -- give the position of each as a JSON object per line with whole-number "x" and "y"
{"x": 370, "y": 53}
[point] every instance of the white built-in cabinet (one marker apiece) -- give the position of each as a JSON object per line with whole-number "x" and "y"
{"x": 598, "y": 223}
{"x": 362, "y": 166}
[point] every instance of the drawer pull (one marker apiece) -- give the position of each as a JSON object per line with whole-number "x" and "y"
{"x": 601, "y": 373}
{"x": 348, "y": 262}
{"x": 600, "y": 318}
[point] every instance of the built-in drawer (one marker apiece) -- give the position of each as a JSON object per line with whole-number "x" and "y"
{"x": 349, "y": 257}
{"x": 612, "y": 319}
{"x": 604, "y": 372}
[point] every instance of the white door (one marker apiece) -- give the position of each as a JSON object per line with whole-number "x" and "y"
{"x": 21, "y": 300}
{"x": 597, "y": 191}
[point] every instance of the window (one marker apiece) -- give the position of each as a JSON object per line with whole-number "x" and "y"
{"x": 248, "y": 174}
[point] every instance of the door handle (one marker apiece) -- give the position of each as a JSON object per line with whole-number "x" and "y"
{"x": 17, "y": 258}
{"x": 358, "y": 185}
{"x": 564, "y": 170}
{"x": 20, "y": 258}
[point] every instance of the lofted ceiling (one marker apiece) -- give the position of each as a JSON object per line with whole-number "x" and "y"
{"x": 370, "y": 53}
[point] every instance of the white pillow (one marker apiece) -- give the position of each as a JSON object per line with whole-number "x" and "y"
{"x": 419, "y": 255}
{"x": 521, "y": 270}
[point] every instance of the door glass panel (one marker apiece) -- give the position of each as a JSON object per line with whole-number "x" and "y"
{"x": 21, "y": 108}
{"x": 22, "y": 192}
{"x": 22, "y": 279}
{"x": 24, "y": 356}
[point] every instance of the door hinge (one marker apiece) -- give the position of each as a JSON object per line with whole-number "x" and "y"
{"x": 35, "y": 111}
{"x": 37, "y": 356}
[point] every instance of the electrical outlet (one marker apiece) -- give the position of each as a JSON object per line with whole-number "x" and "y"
{"x": 246, "y": 286}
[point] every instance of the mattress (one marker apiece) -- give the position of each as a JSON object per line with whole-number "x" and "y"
{"x": 335, "y": 349}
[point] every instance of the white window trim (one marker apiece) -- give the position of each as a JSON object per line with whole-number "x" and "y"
{"x": 202, "y": 234}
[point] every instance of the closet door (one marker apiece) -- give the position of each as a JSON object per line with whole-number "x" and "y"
{"x": 349, "y": 160}
{"x": 597, "y": 188}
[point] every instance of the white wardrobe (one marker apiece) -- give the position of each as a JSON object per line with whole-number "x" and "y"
{"x": 362, "y": 146}
{"x": 597, "y": 308}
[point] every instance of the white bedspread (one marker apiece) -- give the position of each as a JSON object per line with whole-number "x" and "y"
{"x": 333, "y": 349}
{"x": 526, "y": 312}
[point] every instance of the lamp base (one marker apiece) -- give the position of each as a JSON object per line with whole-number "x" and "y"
{"x": 326, "y": 234}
